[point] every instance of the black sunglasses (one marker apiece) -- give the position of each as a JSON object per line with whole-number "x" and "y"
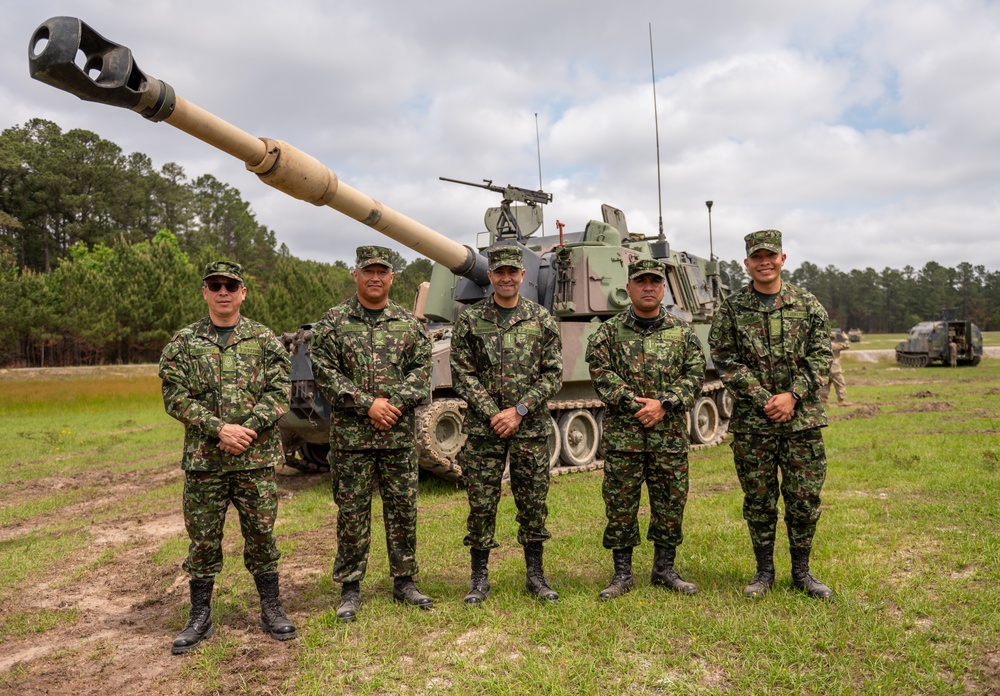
{"x": 216, "y": 285}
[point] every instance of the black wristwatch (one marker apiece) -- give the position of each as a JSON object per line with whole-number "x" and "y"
{"x": 796, "y": 396}
{"x": 522, "y": 410}
{"x": 665, "y": 403}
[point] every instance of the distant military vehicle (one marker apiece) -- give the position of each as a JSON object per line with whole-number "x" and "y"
{"x": 927, "y": 342}
{"x": 579, "y": 276}
{"x": 854, "y": 335}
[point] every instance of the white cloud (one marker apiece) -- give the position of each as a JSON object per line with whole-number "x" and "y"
{"x": 862, "y": 128}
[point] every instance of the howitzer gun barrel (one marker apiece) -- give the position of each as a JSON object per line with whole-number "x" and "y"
{"x": 119, "y": 82}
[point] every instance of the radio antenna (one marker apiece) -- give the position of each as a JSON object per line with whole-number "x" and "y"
{"x": 656, "y": 120}
{"x": 538, "y": 148}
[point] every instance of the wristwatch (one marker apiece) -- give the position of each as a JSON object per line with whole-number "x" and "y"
{"x": 796, "y": 396}
{"x": 665, "y": 403}
{"x": 522, "y": 410}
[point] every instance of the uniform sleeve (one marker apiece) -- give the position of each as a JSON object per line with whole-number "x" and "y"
{"x": 687, "y": 387}
{"x": 611, "y": 388}
{"x": 736, "y": 374}
{"x": 326, "y": 353}
{"x": 465, "y": 375}
{"x": 415, "y": 387}
{"x": 175, "y": 366}
{"x": 815, "y": 366}
{"x": 273, "y": 401}
{"x": 550, "y": 369}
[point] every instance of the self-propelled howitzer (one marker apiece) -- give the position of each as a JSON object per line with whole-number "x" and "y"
{"x": 579, "y": 276}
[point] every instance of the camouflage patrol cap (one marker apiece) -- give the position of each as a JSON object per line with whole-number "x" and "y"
{"x": 505, "y": 256}
{"x": 369, "y": 255}
{"x": 763, "y": 239}
{"x": 226, "y": 269}
{"x": 646, "y": 267}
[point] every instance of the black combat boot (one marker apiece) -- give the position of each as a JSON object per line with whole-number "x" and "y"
{"x": 664, "y": 573}
{"x": 622, "y": 581}
{"x": 802, "y": 579}
{"x": 536, "y": 583}
{"x": 199, "y": 625}
{"x": 763, "y": 579}
{"x": 350, "y": 601}
{"x": 272, "y": 616}
{"x": 405, "y": 590}
{"x": 479, "y": 585}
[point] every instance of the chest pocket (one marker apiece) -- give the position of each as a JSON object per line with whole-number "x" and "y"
{"x": 489, "y": 342}
{"x": 753, "y": 334}
{"x": 205, "y": 361}
{"x": 522, "y": 336}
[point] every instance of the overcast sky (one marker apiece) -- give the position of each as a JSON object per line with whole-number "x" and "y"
{"x": 867, "y": 131}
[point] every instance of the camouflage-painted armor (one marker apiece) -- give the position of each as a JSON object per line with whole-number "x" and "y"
{"x": 760, "y": 352}
{"x": 207, "y": 384}
{"x": 495, "y": 365}
{"x": 356, "y": 359}
{"x": 663, "y": 361}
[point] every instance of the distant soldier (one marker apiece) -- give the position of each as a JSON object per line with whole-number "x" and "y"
{"x": 953, "y": 352}
{"x": 838, "y": 342}
{"x": 771, "y": 344}
{"x": 647, "y": 367}
{"x": 225, "y": 378}
{"x": 506, "y": 362}
{"x": 372, "y": 360}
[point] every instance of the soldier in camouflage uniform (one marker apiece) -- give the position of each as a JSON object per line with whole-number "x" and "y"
{"x": 506, "y": 362}
{"x": 647, "y": 367}
{"x": 372, "y": 360}
{"x": 225, "y": 378}
{"x": 771, "y": 344}
{"x": 838, "y": 343}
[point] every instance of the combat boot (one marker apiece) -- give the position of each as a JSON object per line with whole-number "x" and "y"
{"x": 803, "y": 580}
{"x": 350, "y": 601}
{"x": 272, "y": 616}
{"x": 479, "y": 585}
{"x": 535, "y": 582}
{"x": 664, "y": 573}
{"x": 763, "y": 579}
{"x": 622, "y": 581}
{"x": 199, "y": 625}
{"x": 405, "y": 590}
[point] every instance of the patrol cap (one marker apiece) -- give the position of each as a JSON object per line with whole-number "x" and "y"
{"x": 226, "y": 269}
{"x": 646, "y": 267}
{"x": 505, "y": 256}
{"x": 369, "y": 255}
{"x": 763, "y": 239}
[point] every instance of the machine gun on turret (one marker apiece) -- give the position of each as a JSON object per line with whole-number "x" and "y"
{"x": 506, "y": 224}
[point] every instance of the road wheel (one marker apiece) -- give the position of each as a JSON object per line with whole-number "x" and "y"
{"x": 555, "y": 444}
{"x": 724, "y": 401}
{"x": 704, "y": 421}
{"x": 439, "y": 435}
{"x": 580, "y": 436}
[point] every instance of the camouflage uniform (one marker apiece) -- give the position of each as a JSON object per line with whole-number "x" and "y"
{"x": 356, "y": 359}
{"x": 495, "y": 365}
{"x": 663, "y": 361}
{"x": 836, "y": 378}
{"x": 207, "y": 383}
{"x": 760, "y": 352}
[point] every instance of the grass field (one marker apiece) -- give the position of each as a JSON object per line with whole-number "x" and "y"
{"x": 92, "y": 592}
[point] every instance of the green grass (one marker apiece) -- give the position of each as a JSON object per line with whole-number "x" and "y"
{"x": 908, "y": 540}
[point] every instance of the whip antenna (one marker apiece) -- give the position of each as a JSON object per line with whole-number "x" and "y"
{"x": 656, "y": 121}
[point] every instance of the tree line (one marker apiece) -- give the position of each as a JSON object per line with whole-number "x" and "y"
{"x": 101, "y": 256}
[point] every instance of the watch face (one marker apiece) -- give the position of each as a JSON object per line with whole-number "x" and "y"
{"x": 522, "y": 410}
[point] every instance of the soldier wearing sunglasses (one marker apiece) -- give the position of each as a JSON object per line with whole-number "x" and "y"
{"x": 225, "y": 378}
